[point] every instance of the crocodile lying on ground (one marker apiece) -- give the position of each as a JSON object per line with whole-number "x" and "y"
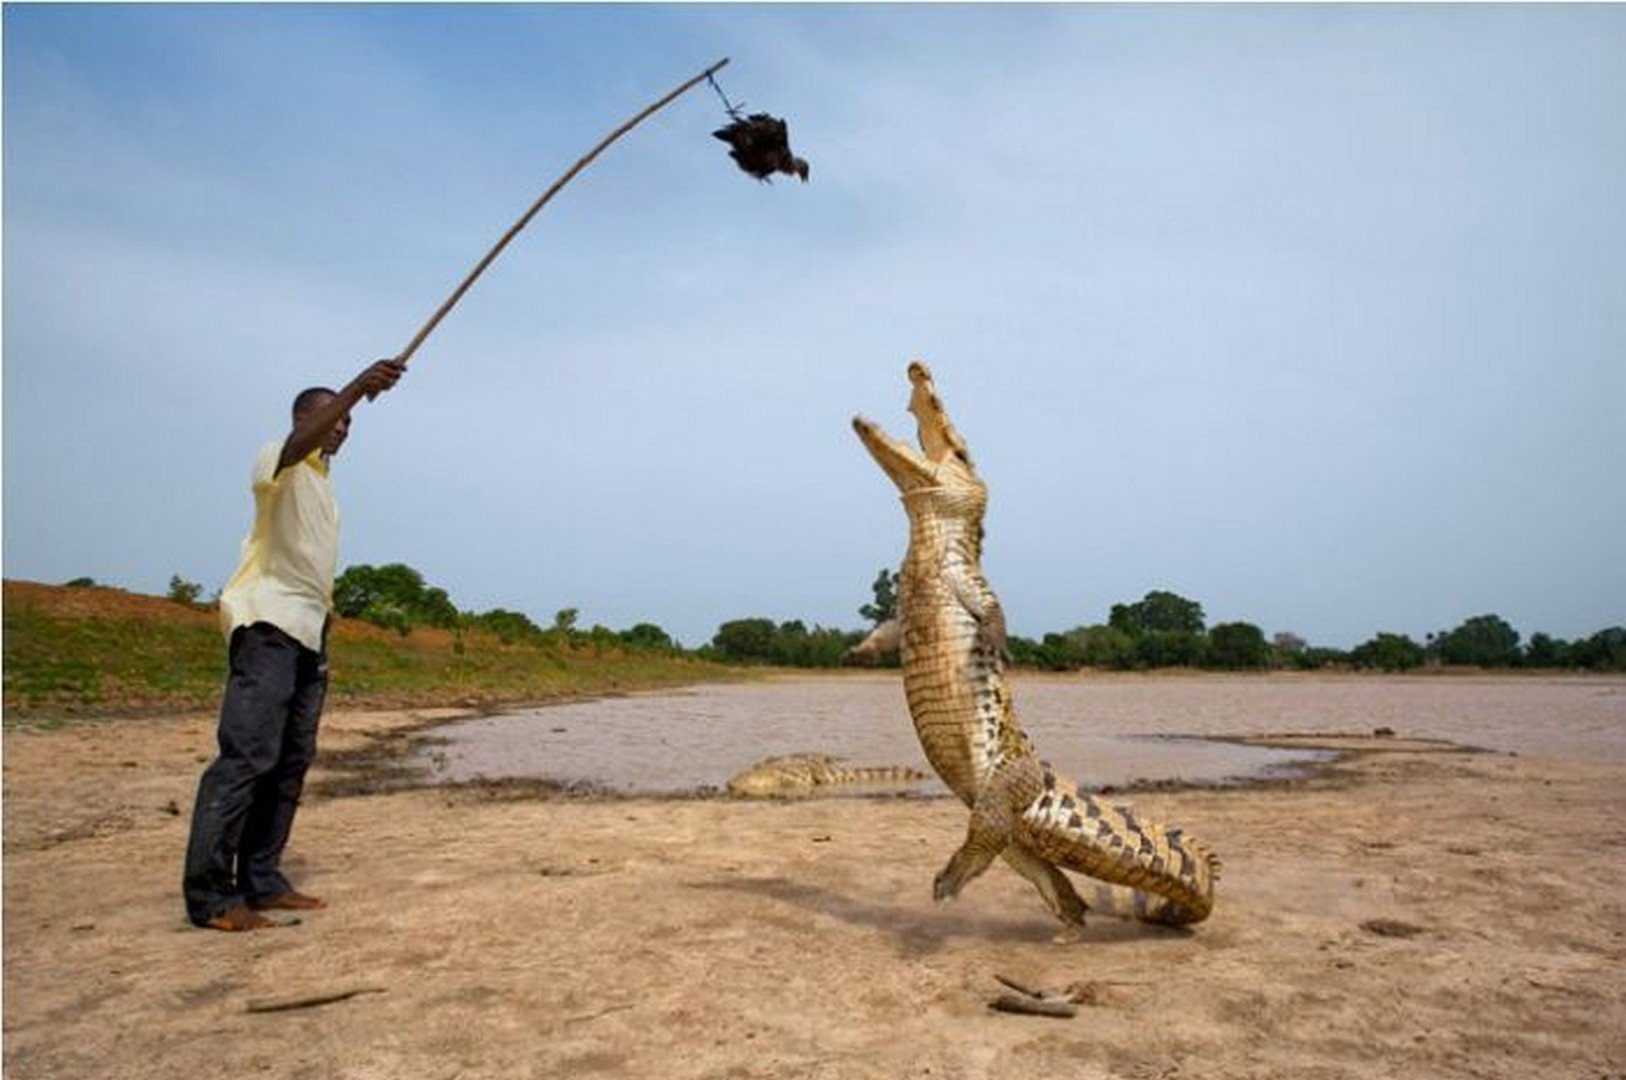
{"x": 799, "y": 774}
{"x": 951, "y": 631}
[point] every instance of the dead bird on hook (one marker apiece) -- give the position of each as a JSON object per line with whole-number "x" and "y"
{"x": 760, "y": 145}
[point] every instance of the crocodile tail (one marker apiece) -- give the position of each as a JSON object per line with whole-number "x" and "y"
{"x": 1165, "y": 876}
{"x": 878, "y": 774}
{"x": 1122, "y": 902}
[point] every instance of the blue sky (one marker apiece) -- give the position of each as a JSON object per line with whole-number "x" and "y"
{"x": 1313, "y": 314}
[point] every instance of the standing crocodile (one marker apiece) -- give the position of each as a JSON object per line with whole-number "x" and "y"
{"x": 951, "y": 632}
{"x": 799, "y": 774}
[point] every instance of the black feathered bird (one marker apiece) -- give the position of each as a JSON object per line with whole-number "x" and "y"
{"x": 761, "y": 146}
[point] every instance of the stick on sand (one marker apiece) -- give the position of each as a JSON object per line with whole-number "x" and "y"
{"x": 306, "y": 1001}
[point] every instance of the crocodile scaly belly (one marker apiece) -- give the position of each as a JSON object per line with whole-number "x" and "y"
{"x": 956, "y": 695}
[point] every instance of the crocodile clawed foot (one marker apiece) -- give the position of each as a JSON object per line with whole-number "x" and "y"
{"x": 966, "y": 865}
{"x": 1071, "y": 912}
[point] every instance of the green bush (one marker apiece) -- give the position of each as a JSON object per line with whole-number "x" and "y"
{"x": 1388, "y": 652}
{"x": 184, "y": 592}
{"x": 509, "y": 626}
{"x": 1237, "y": 646}
{"x": 1482, "y": 641}
{"x": 792, "y": 644}
{"x": 392, "y": 593}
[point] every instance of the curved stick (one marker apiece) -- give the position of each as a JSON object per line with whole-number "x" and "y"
{"x": 305, "y": 1001}
{"x": 457, "y": 294}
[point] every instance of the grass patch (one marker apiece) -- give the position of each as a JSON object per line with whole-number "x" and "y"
{"x": 95, "y": 651}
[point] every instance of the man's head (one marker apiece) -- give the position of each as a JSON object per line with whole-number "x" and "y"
{"x": 312, "y": 399}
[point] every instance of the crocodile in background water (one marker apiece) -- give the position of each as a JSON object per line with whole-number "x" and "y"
{"x": 800, "y": 774}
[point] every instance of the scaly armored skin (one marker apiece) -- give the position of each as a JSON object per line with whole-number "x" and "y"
{"x": 798, "y": 774}
{"x": 951, "y": 631}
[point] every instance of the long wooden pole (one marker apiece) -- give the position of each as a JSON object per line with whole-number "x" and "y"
{"x": 457, "y": 294}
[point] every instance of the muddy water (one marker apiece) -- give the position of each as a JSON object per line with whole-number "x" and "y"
{"x": 1102, "y": 730}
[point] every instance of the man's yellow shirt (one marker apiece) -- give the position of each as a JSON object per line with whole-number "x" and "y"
{"x": 285, "y": 577}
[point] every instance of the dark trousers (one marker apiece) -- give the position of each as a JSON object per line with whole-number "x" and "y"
{"x": 248, "y": 795}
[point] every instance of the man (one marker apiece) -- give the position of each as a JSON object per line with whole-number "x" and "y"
{"x": 275, "y": 612}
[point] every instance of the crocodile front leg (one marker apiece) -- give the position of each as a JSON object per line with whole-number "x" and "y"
{"x": 882, "y": 641}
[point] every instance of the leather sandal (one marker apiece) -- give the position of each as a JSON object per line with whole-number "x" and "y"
{"x": 239, "y": 917}
{"x": 291, "y": 900}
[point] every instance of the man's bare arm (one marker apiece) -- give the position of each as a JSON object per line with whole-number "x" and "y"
{"x": 312, "y": 428}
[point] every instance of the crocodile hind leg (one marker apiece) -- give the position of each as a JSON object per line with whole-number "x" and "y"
{"x": 992, "y": 833}
{"x": 988, "y": 837}
{"x": 1058, "y": 892}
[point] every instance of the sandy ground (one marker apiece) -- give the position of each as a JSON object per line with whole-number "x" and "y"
{"x": 1412, "y": 913}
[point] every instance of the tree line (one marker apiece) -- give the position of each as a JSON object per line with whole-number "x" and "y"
{"x": 1160, "y": 630}
{"x": 1164, "y": 629}
{"x": 396, "y": 597}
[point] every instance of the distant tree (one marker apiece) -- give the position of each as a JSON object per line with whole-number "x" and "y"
{"x": 362, "y": 585}
{"x": 389, "y": 615}
{"x": 564, "y": 620}
{"x": 184, "y": 592}
{"x": 647, "y": 636}
{"x": 1169, "y": 648}
{"x": 1314, "y": 658}
{"x": 886, "y": 597}
{"x": 790, "y": 643}
{"x": 1546, "y": 651}
{"x": 1158, "y": 612}
{"x": 393, "y": 595}
{"x": 1166, "y": 630}
{"x": 1103, "y": 646}
{"x": 1603, "y": 651}
{"x": 1388, "y": 652}
{"x": 1085, "y": 646}
{"x": 509, "y": 626}
{"x": 796, "y": 646}
{"x": 1060, "y": 652}
{"x": 1025, "y": 652}
{"x": 436, "y": 609}
{"x": 1237, "y": 646}
{"x": 745, "y": 640}
{"x": 1285, "y": 648}
{"x": 1483, "y": 641}
{"x": 600, "y": 637}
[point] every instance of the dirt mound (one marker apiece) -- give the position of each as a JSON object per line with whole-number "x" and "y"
{"x": 105, "y": 602}
{"x": 102, "y": 602}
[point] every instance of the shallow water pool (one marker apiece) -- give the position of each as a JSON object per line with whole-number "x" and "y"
{"x": 692, "y": 740}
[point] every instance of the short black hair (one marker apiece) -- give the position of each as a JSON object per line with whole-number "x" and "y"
{"x": 307, "y": 397}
